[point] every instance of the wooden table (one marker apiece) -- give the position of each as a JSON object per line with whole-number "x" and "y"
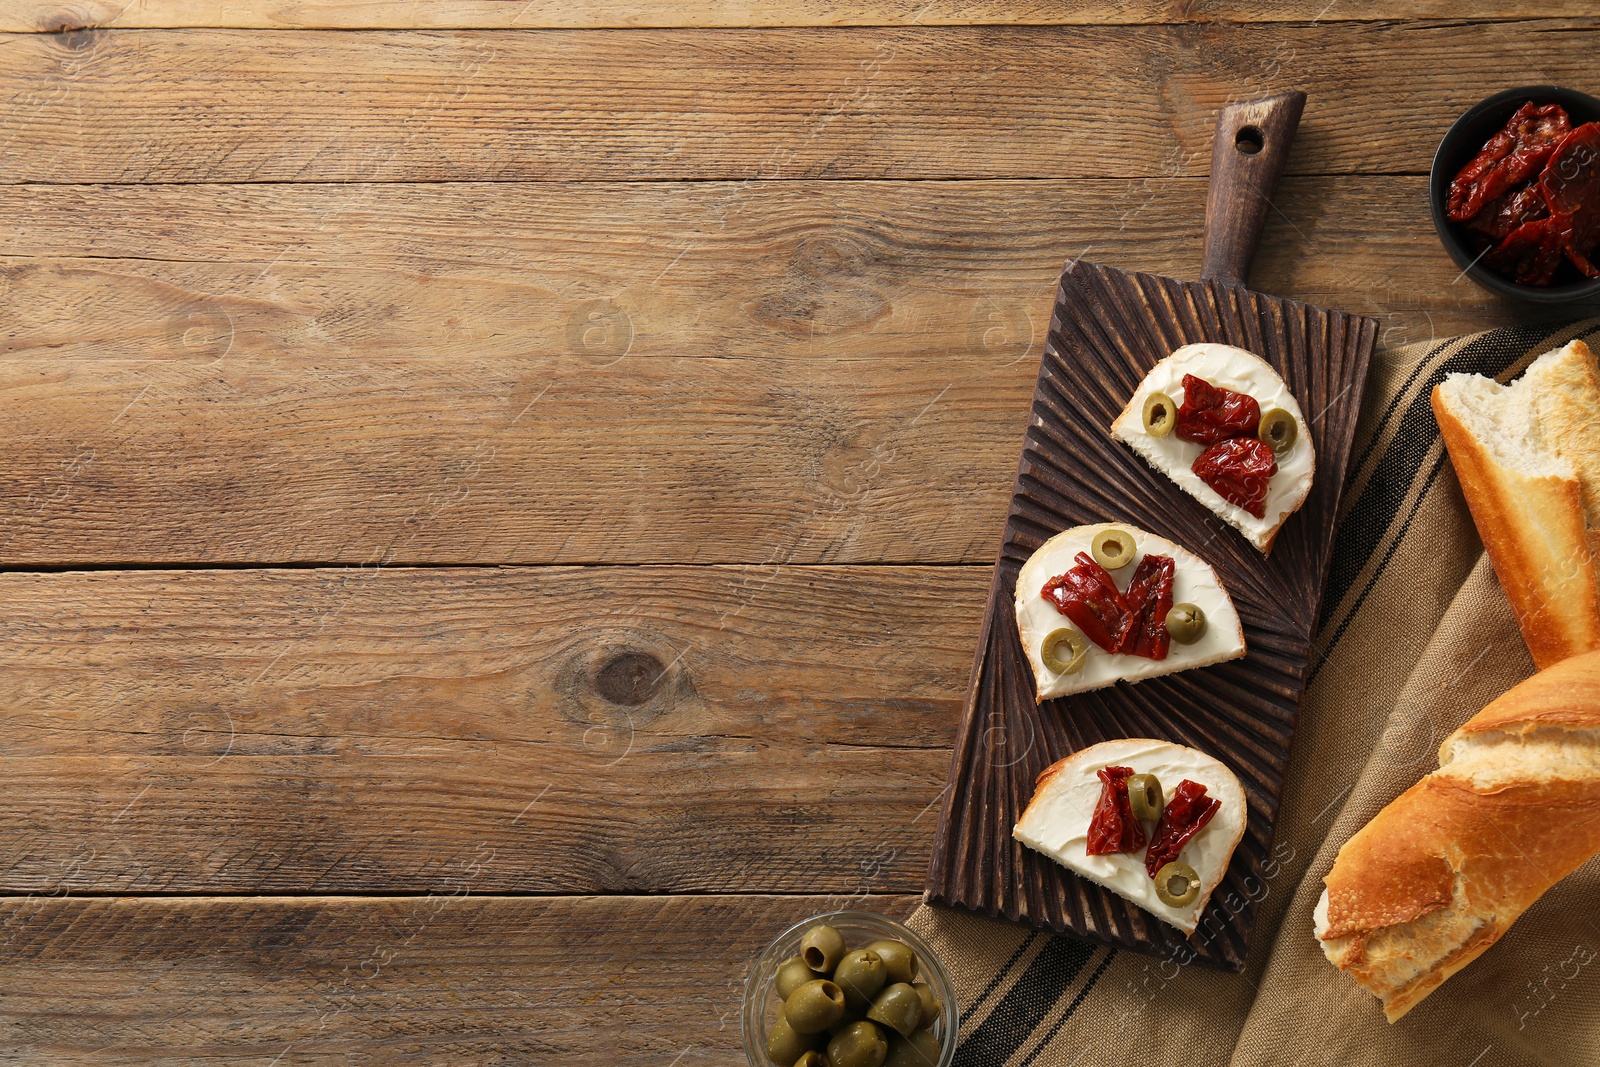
{"x": 499, "y": 495}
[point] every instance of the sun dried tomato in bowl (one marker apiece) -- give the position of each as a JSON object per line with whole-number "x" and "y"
{"x": 1514, "y": 155}
{"x": 1531, "y": 197}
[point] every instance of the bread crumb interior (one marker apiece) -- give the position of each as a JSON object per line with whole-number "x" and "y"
{"x": 1505, "y": 421}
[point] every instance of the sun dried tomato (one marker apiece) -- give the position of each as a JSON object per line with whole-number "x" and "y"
{"x": 1532, "y": 253}
{"x": 1149, "y": 598}
{"x": 1570, "y": 187}
{"x": 1239, "y": 470}
{"x": 1508, "y": 211}
{"x": 1210, "y": 413}
{"x": 1186, "y": 814}
{"x": 1087, "y": 595}
{"x": 1112, "y": 827}
{"x": 1513, "y": 155}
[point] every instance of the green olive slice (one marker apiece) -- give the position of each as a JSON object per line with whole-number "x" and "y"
{"x": 1065, "y": 640}
{"x": 1113, "y": 549}
{"x": 1144, "y": 796}
{"x": 1186, "y": 623}
{"x": 1160, "y": 414}
{"x": 1278, "y": 429}
{"x": 1177, "y": 884}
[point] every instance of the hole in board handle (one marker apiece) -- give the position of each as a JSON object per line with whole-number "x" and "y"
{"x": 1249, "y": 140}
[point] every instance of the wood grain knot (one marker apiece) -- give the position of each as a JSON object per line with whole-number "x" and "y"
{"x": 74, "y": 35}
{"x": 830, "y": 287}
{"x": 613, "y": 683}
{"x": 629, "y": 678}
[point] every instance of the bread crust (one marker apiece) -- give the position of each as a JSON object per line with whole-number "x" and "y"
{"x": 1534, "y": 530}
{"x": 1441, "y": 873}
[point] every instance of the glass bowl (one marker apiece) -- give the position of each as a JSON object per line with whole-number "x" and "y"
{"x": 761, "y": 1004}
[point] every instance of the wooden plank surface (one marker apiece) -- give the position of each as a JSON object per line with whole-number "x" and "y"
{"x": 57, "y": 15}
{"x": 465, "y": 373}
{"x": 446, "y": 978}
{"x": 827, "y": 270}
{"x": 361, "y": 730}
{"x": 510, "y": 461}
{"x": 242, "y": 105}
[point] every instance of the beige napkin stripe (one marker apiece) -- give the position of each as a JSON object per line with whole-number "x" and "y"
{"x": 1585, "y": 329}
{"x": 1386, "y": 418}
{"x": 1020, "y": 989}
{"x": 1371, "y": 459}
{"x": 1003, "y": 983}
{"x": 1060, "y": 1013}
{"x": 1334, "y": 625}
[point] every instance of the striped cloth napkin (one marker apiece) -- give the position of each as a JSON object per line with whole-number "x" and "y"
{"x": 1417, "y": 636}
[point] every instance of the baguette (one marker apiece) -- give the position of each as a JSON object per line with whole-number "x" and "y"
{"x": 1442, "y": 872}
{"x": 1528, "y": 458}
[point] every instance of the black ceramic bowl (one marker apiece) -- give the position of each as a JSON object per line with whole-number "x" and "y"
{"x": 1463, "y": 141}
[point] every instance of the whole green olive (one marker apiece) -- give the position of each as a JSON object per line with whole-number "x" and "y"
{"x": 858, "y": 1045}
{"x": 898, "y": 1007}
{"x": 1160, "y": 414}
{"x": 821, "y": 946}
{"x": 1186, "y": 623}
{"x": 861, "y": 974}
{"x": 811, "y": 1059}
{"x": 931, "y": 1006}
{"x": 784, "y": 1045}
{"x": 1177, "y": 884}
{"x": 1278, "y": 429}
{"x": 792, "y": 974}
{"x": 1113, "y": 549}
{"x": 1144, "y": 796}
{"x": 814, "y": 1007}
{"x": 921, "y": 1049}
{"x": 1064, "y": 650}
{"x": 853, "y": 1013}
{"x": 898, "y": 958}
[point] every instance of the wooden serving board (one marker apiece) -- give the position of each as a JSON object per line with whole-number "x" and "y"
{"x": 1108, "y": 329}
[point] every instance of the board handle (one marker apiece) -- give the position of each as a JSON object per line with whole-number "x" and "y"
{"x": 1247, "y": 158}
